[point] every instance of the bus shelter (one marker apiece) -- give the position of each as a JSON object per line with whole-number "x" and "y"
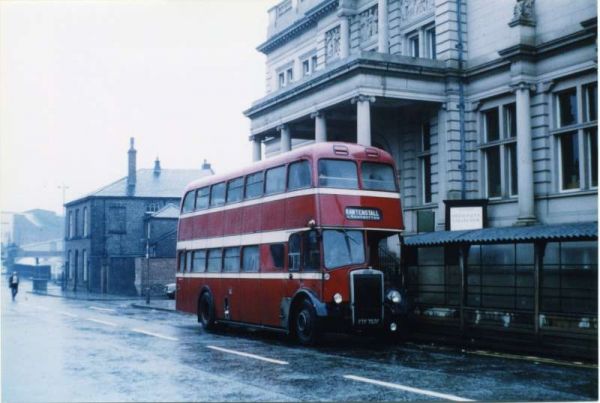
{"x": 530, "y": 288}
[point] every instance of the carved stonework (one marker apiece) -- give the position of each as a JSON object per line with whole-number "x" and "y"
{"x": 523, "y": 13}
{"x": 332, "y": 44}
{"x": 410, "y": 9}
{"x": 368, "y": 24}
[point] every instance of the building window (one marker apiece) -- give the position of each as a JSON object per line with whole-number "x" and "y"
{"x": 590, "y": 99}
{"x": 289, "y": 75}
{"x": 71, "y": 228}
{"x": 306, "y": 68}
{"x": 309, "y": 66}
{"x": 281, "y": 80}
{"x": 332, "y": 44}
{"x": 592, "y": 136}
{"x": 84, "y": 265}
{"x": 430, "y": 48}
{"x": 69, "y": 265}
{"x": 86, "y": 222}
{"x": 566, "y": 103}
{"x": 152, "y": 207}
{"x": 313, "y": 63}
{"x": 425, "y": 163}
{"x": 77, "y": 230}
{"x": 499, "y": 150}
{"x": 569, "y": 161}
{"x": 576, "y": 146}
{"x": 413, "y": 45}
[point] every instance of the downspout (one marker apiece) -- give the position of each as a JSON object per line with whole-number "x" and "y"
{"x": 461, "y": 103}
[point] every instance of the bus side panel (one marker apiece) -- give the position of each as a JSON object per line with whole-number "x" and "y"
{"x": 186, "y": 228}
{"x": 214, "y": 226}
{"x": 272, "y": 289}
{"x": 273, "y": 215}
{"x": 252, "y": 219}
{"x": 201, "y": 226}
{"x": 233, "y": 222}
{"x": 300, "y": 210}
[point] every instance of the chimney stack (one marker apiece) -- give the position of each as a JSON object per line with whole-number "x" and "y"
{"x": 131, "y": 179}
{"x": 205, "y": 165}
{"x": 157, "y": 167}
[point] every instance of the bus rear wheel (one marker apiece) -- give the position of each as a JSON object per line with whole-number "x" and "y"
{"x": 306, "y": 327}
{"x": 206, "y": 311}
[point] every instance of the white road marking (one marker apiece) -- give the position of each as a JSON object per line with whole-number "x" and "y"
{"x": 154, "y": 334}
{"x": 256, "y": 357}
{"x": 408, "y": 388}
{"x": 68, "y": 314}
{"x": 97, "y": 308}
{"x": 101, "y": 321}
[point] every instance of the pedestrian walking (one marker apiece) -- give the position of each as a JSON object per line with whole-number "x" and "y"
{"x": 13, "y": 283}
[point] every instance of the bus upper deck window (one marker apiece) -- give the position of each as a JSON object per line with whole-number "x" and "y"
{"x": 275, "y": 180}
{"x": 299, "y": 175}
{"x": 188, "y": 202}
{"x": 254, "y": 185}
{"x": 217, "y": 194}
{"x": 376, "y": 176}
{"x": 202, "y": 198}
{"x": 235, "y": 189}
{"x": 338, "y": 174}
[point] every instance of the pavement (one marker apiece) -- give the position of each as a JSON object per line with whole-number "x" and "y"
{"x": 54, "y": 290}
{"x": 77, "y": 350}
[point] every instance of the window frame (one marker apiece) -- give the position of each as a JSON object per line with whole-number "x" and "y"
{"x": 284, "y": 168}
{"x": 261, "y": 187}
{"x": 358, "y": 181}
{"x": 243, "y": 251}
{"x": 207, "y": 196}
{"x": 211, "y": 204}
{"x": 228, "y": 188}
{"x": 310, "y": 175}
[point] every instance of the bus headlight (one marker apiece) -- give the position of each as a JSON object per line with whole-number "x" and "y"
{"x": 394, "y": 296}
{"x": 337, "y": 298}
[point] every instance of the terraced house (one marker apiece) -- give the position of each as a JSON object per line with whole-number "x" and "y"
{"x": 490, "y": 111}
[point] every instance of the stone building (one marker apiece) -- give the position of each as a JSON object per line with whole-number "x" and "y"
{"x": 107, "y": 229}
{"x": 493, "y": 102}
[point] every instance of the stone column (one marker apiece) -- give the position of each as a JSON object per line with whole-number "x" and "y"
{"x": 286, "y": 138}
{"x": 344, "y": 35}
{"x": 256, "y": 149}
{"x": 524, "y": 155}
{"x": 363, "y": 119}
{"x": 382, "y": 27}
{"x": 320, "y": 127}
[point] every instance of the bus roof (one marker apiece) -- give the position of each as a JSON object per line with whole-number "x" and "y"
{"x": 314, "y": 151}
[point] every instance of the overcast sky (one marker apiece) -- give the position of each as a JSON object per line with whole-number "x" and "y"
{"x": 79, "y": 78}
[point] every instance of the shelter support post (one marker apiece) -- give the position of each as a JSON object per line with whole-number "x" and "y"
{"x": 463, "y": 256}
{"x": 538, "y": 255}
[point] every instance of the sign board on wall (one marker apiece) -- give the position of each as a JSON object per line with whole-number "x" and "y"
{"x": 466, "y": 214}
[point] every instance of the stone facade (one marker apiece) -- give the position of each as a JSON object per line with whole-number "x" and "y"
{"x": 502, "y": 108}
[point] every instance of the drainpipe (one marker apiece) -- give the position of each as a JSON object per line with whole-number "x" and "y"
{"x": 461, "y": 104}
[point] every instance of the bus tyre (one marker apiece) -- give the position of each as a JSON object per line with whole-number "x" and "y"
{"x": 306, "y": 327}
{"x": 206, "y": 311}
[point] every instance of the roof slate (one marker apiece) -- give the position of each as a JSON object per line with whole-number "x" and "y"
{"x": 170, "y": 183}
{"x": 551, "y": 232}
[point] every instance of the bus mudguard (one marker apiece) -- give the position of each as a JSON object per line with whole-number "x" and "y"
{"x": 287, "y": 304}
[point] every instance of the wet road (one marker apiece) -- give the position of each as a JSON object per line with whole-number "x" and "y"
{"x": 55, "y": 349}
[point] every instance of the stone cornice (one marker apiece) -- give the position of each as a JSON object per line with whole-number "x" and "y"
{"x": 366, "y": 61}
{"x": 310, "y": 19}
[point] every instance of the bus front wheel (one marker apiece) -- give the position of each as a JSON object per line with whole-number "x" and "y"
{"x": 305, "y": 324}
{"x": 206, "y": 311}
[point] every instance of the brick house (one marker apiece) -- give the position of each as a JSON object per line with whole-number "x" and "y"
{"x": 106, "y": 230}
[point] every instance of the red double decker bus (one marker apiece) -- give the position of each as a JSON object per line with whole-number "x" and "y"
{"x": 294, "y": 243}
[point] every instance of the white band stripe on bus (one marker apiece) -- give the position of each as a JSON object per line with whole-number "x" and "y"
{"x": 264, "y": 276}
{"x": 408, "y": 388}
{"x": 256, "y": 357}
{"x": 297, "y": 193}
{"x": 256, "y": 238}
